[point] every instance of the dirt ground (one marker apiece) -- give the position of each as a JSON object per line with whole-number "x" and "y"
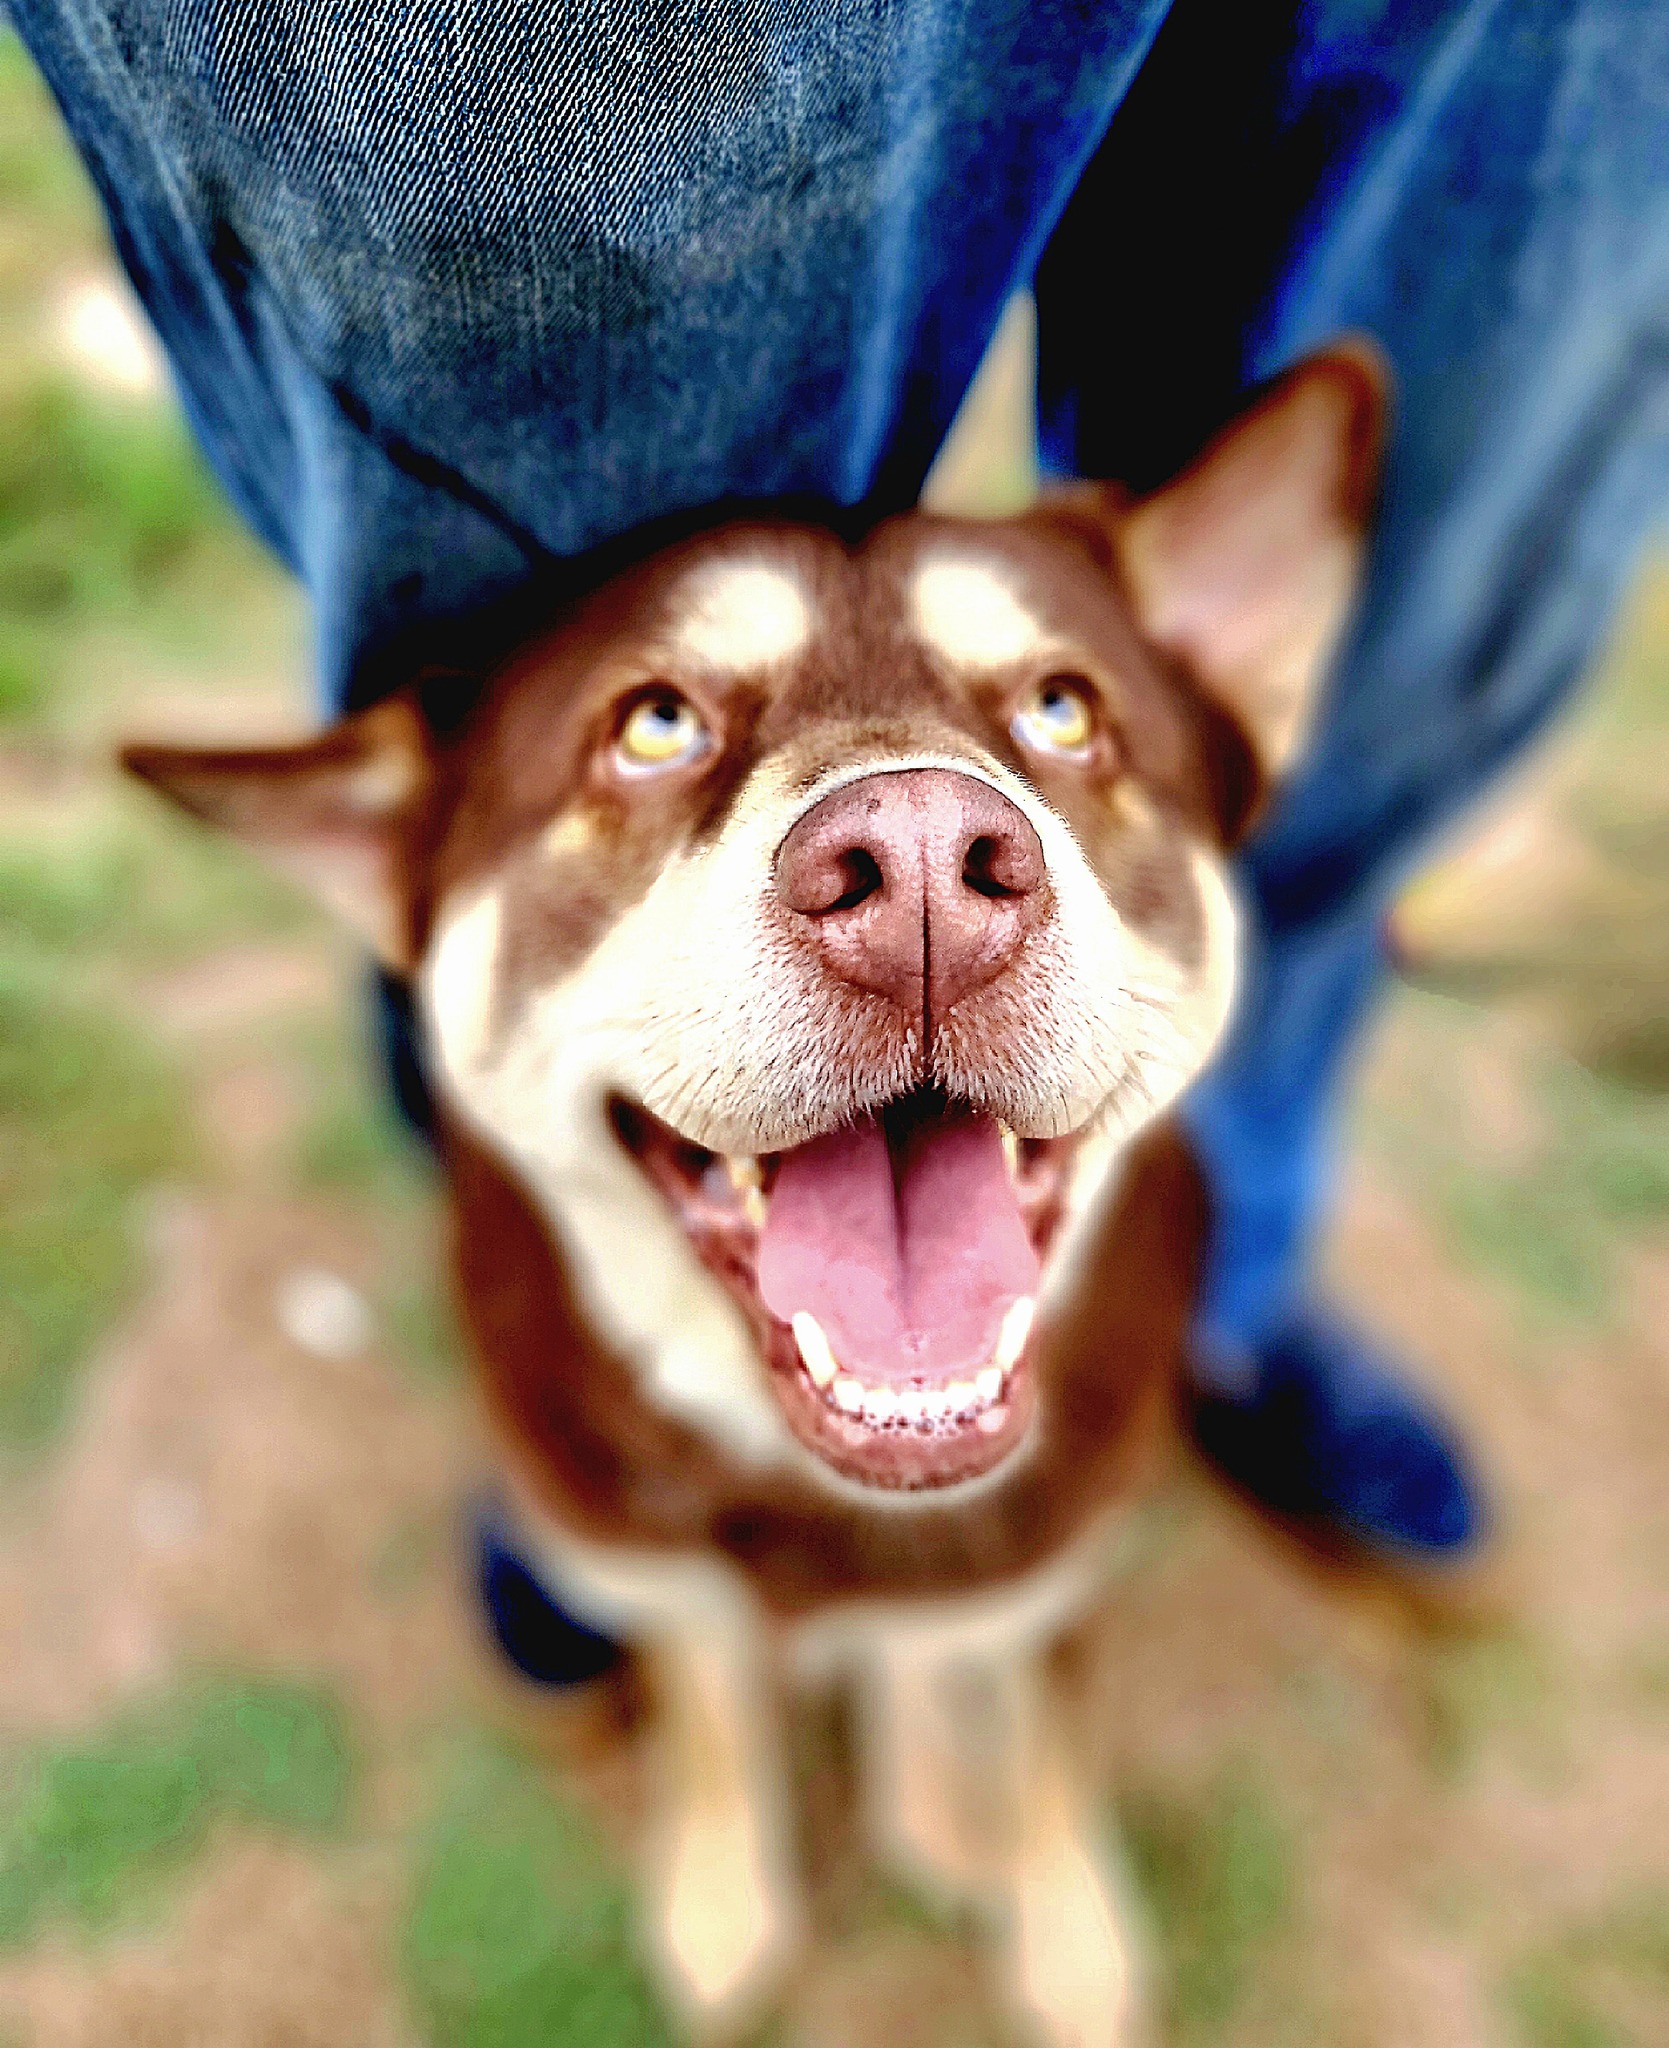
{"x": 261, "y": 1783}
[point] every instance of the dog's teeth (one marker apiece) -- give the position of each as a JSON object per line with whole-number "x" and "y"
{"x": 1016, "y": 1328}
{"x": 744, "y": 1178}
{"x": 815, "y": 1354}
{"x": 916, "y": 1407}
{"x": 1011, "y": 1150}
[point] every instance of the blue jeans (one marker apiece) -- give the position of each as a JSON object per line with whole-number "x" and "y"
{"x": 456, "y": 294}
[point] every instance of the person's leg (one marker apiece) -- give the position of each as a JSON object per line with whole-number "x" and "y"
{"x": 1485, "y": 189}
{"x": 454, "y": 298}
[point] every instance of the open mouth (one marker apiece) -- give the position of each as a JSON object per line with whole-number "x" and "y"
{"x": 889, "y": 1271}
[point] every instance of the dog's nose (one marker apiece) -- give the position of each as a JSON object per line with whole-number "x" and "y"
{"x": 918, "y": 884}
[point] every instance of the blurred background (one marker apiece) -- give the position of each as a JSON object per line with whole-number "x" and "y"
{"x": 260, "y": 1782}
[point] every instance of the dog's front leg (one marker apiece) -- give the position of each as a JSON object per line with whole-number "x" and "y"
{"x": 726, "y": 1909}
{"x": 1067, "y": 1955}
{"x": 972, "y": 1787}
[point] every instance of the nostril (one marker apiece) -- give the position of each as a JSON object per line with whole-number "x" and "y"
{"x": 979, "y": 867}
{"x": 991, "y": 868}
{"x": 860, "y": 873}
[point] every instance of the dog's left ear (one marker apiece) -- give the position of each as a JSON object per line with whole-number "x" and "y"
{"x": 1244, "y": 566}
{"x": 333, "y": 812}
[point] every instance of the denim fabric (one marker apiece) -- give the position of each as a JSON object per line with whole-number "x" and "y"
{"x": 456, "y": 291}
{"x": 1485, "y": 189}
{"x": 456, "y": 288}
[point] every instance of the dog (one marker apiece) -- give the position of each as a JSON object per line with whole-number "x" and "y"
{"x": 811, "y": 936}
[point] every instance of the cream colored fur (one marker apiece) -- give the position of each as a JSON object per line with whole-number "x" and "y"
{"x": 966, "y": 1779}
{"x": 742, "y": 614}
{"x": 968, "y": 611}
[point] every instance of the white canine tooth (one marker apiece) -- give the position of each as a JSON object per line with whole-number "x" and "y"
{"x": 815, "y": 1354}
{"x": 744, "y": 1178}
{"x": 989, "y": 1420}
{"x": 988, "y": 1384}
{"x": 848, "y": 1394}
{"x": 1016, "y": 1328}
{"x": 1011, "y": 1150}
{"x": 960, "y": 1394}
{"x": 880, "y": 1404}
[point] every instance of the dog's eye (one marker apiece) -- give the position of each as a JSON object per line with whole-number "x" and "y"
{"x": 1057, "y": 717}
{"x": 661, "y": 730}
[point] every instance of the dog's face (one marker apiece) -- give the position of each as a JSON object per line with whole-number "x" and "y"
{"x": 811, "y": 925}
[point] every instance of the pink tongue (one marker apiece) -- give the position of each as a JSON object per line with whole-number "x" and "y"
{"x": 908, "y": 1256}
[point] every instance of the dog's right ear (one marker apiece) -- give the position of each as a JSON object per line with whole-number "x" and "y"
{"x": 333, "y": 812}
{"x": 1245, "y": 566}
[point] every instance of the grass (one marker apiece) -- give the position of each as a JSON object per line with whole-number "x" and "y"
{"x": 1476, "y": 1691}
{"x": 109, "y": 522}
{"x": 1591, "y": 978}
{"x": 423, "y": 1327}
{"x": 41, "y": 183}
{"x": 89, "y": 1114}
{"x": 90, "y": 1829}
{"x": 121, "y": 882}
{"x": 354, "y": 1141}
{"x": 115, "y": 545}
{"x": 1216, "y": 1874}
{"x": 1602, "y": 1983}
{"x": 99, "y": 498}
{"x": 1597, "y": 1179}
{"x": 519, "y": 1925}
{"x": 1549, "y": 1220}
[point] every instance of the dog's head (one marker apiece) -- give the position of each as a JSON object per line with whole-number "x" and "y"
{"x": 810, "y": 925}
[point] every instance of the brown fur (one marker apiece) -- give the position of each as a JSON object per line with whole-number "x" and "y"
{"x": 530, "y": 877}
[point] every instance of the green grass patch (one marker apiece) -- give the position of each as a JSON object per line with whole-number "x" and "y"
{"x": 354, "y": 1140}
{"x": 115, "y": 541}
{"x": 90, "y": 1829}
{"x": 1601, "y": 1984}
{"x": 40, "y": 177}
{"x": 89, "y": 1113}
{"x": 111, "y": 525}
{"x": 24, "y": 663}
{"x": 99, "y": 497}
{"x": 138, "y": 885}
{"x": 1548, "y": 1221}
{"x": 423, "y": 1329}
{"x": 1216, "y": 1875}
{"x": 1551, "y": 1224}
{"x": 519, "y": 1925}
{"x": 1474, "y": 1692}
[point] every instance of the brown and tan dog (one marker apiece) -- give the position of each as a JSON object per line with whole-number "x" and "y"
{"x": 809, "y": 939}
